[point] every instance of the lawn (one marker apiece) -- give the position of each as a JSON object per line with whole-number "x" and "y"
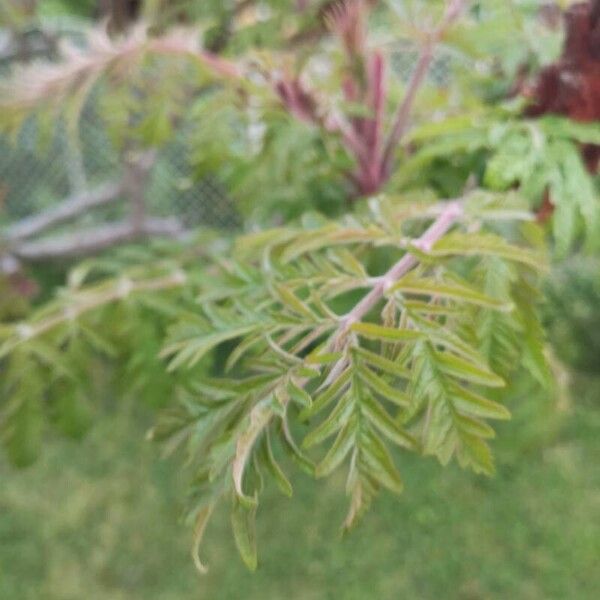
{"x": 100, "y": 520}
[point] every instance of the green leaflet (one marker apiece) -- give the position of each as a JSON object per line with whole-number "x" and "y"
{"x": 443, "y": 336}
{"x": 431, "y": 130}
{"x": 382, "y": 363}
{"x": 345, "y": 259}
{"x": 485, "y": 244}
{"x": 474, "y": 427}
{"x": 289, "y": 445}
{"x": 273, "y": 467}
{"x": 241, "y": 349}
{"x": 202, "y": 519}
{"x": 463, "y": 369}
{"x": 378, "y": 332}
{"x": 498, "y": 334}
{"x": 475, "y": 453}
{"x": 222, "y": 388}
{"x": 473, "y": 404}
{"x": 299, "y": 395}
{"x": 196, "y": 344}
{"x": 243, "y": 523}
{"x": 336, "y": 420}
{"x": 428, "y": 308}
{"x": 322, "y": 358}
{"x": 376, "y": 456}
{"x": 340, "y": 448}
{"x": 307, "y": 242}
{"x": 291, "y": 301}
{"x": 534, "y": 359}
{"x": 304, "y": 371}
{"x": 260, "y": 417}
{"x": 327, "y": 237}
{"x": 379, "y": 386}
{"x": 429, "y": 287}
{"x": 382, "y": 421}
{"x": 327, "y": 396}
{"x": 252, "y": 242}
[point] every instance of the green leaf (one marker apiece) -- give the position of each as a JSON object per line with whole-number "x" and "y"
{"x": 454, "y": 291}
{"x": 299, "y": 395}
{"x": 243, "y": 522}
{"x": 336, "y": 420}
{"x": 307, "y": 242}
{"x": 260, "y": 416}
{"x": 379, "y": 386}
{"x": 304, "y": 371}
{"x": 486, "y": 244}
{"x": 378, "y": 332}
{"x": 474, "y": 427}
{"x": 339, "y": 450}
{"x": 474, "y": 452}
{"x": 291, "y": 301}
{"x": 325, "y": 358}
{"x": 473, "y": 404}
{"x": 222, "y": 388}
{"x": 329, "y": 236}
{"x": 241, "y": 349}
{"x": 428, "y": 308}
{"x": 289, "y": 445}
{"x": 382, "y": 363}
{"x": 346, "y": 259}
{"x": 378, "y": 460}
{"x": 202, "y": 519}
{"x": 564, "y": 224}
{"x": 463, "y": 369}
{"x": 379, "y": 417}
{"x": 273, "y": 467}
{"x": 445, "y": 337}
{"x": 190, "y": 350}
{"x": 323, "y": 400}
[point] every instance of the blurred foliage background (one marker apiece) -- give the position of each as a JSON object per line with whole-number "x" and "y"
{"x": 100, "y": 517}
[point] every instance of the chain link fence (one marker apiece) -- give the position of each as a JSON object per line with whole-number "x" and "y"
{"x": 33, "y": 178}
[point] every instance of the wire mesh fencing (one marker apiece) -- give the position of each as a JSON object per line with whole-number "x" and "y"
{"x": 33, "y": 179}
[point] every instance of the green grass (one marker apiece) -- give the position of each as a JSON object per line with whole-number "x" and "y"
{"x": 100, "y": 520}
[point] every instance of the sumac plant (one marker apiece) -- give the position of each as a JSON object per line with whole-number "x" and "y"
{"x": 348, "y": 339}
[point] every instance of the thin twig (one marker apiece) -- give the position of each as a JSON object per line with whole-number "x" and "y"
{"x": 447, "y": 218}
{"x": 68, "y": 209}
{"x": 89, "y": 241}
